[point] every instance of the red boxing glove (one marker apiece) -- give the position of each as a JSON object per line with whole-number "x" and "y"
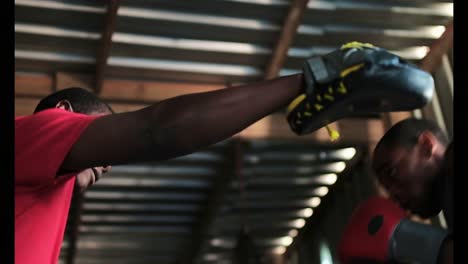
{"x": 369, "y": 231}
{"x": 380, "y": 231}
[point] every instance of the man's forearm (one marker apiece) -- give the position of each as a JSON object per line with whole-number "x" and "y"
{"x": 179, "y": 125}
{"x": 188, "y": 122}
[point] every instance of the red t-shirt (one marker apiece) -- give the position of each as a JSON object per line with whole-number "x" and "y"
{"x": 42, "y": 200}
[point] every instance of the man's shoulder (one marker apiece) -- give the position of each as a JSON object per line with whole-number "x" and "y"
{"x": 49, "y": 124}
{"x": 44, "y": 117}
{"x": 45, "y": 113}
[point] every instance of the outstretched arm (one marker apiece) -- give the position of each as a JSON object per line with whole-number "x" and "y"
{"x": 331, "y": 87}
{"x": 179, "y": 125}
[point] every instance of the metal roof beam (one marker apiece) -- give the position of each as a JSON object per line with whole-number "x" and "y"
{"x": 76, "y": 209}
{"x": 439, "y": 48}
{"x": 106, "y": 42}
{"x": 212, "y": 206}
{"x": 288, "y": 32}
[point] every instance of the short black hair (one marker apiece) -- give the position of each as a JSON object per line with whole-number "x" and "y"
{"x": 82, "y": 101}
{"x": 406, "y": 132}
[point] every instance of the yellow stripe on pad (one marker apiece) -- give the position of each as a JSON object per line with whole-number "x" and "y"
{"x": 295, "y": 102}
{"x": 351, "y": 69}
{"x": 356, "y": 44}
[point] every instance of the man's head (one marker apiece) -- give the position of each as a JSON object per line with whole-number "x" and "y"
{"x": 78, "y": 100}
{"x": 407, "y": 162}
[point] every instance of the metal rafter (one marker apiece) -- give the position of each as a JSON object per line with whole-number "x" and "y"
{"x": 439, "y": 48}
{"x": 289, "y": 30}
{"x": 213, "y": 204}
{"x": 76, "y": 208}
{"x": 106, "y": 42}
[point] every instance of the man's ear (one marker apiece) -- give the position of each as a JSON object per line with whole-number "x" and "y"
{"x": 427, "y": 142}
{"x": 65, "y": 105}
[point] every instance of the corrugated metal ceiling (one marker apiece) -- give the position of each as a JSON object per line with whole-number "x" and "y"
{"x": 213, "y": 41}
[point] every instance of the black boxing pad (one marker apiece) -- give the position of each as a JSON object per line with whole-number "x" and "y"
{"x": 357, "y": 79}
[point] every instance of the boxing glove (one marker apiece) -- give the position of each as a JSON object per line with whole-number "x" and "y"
{"x": 358, "y": 78}
{"x": 380, "y": 231}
